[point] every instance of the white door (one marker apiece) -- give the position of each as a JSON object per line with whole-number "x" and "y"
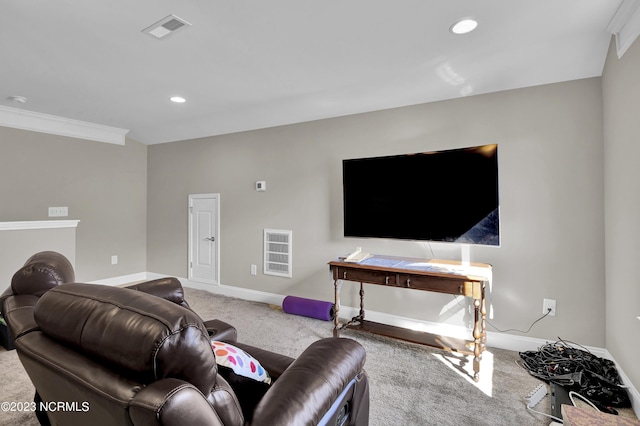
{"x": 204, "y": 238}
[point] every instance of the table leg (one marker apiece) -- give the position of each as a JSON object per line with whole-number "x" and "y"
{"x": 361, "y": 301}
{"x": 336, "y": 309}
{"x": 484, "y": 324}
{"x": 477, "y": 339}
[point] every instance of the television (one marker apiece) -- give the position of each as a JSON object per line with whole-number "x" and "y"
{"x": 442, "y": 196}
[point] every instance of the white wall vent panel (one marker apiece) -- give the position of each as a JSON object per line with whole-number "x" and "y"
{"x": 277, "y": 252}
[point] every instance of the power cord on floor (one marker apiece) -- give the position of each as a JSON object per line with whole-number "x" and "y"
{"x": 554, "y": 418}
{"x": 521, "y": 331}
{"x": 572, "y": 394}
{"x": 512, "y": 329}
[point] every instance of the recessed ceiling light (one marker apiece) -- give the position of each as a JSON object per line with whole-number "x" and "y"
{"x": 464, "y": 26}
{"x": 178, "y": 99}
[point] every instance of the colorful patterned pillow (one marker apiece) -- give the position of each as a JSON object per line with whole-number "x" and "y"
{"x": 239, "y": 361}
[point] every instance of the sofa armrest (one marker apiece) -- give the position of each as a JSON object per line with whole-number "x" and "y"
{"x": 4, "y": 296}
{"x": 172, "y": 402}
{"x": 323, "y": 370}
{"x": 18, "y": 313}
{"x": 222, "y": 331}
{"x": 168, "y": 288}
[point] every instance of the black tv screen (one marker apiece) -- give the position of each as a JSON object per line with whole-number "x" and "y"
{"x": 444, "y": 196}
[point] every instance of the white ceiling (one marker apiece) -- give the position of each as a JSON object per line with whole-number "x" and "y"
{"x": 253, "y": 64}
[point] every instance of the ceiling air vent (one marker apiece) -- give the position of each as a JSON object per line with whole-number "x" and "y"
{"x": 166, "y": 27}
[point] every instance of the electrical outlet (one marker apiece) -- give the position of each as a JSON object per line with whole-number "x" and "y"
{"x": 549, "y": 304}
{"x": 114, "y": 259}
{"x": 58, "y": 211}
{"x": 254, "y": 269}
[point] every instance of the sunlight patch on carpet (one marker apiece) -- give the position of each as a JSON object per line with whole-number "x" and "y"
{"x": 463, "y": 366}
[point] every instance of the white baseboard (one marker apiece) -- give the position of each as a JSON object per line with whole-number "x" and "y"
{"x": 123, "y": 279}
{"x": 634, "y": 395}
{"x": 226, "y": 290}
{"x": 494, "y": 339}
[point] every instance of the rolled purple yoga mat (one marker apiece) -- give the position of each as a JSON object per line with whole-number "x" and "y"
{"x": 308, "y": 308}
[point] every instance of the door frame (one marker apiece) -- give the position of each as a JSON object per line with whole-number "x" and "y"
{"x": 216, "y": 197}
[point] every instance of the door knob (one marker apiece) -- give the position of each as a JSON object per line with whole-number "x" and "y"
{"x": 211, "y": 238}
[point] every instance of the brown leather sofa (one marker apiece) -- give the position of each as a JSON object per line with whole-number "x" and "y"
{"x": 104, "y": 355}
{"x": 48, "y": 269}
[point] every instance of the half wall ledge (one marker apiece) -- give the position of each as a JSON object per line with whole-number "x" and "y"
{"x": 38, "y": 224}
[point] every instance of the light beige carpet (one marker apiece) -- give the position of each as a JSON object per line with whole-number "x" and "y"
{"x": 409, "y": 384}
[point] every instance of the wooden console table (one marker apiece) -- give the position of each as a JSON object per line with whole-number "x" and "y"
{"x": 441, "y": 276}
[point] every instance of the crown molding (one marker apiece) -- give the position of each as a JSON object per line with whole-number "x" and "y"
{"x": 45, "y": 123}
{"x": 625, "y": 25}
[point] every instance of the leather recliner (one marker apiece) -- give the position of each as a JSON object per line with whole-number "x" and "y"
{"x": 48, "y": 269}
{"x": 109, "y": 356}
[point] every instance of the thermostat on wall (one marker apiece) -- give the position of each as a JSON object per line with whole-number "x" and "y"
{"x": 261, "y": 185}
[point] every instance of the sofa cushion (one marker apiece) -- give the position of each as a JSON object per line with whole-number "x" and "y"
{"x": 149, "y": 337}
{"x": 248, "y": 391}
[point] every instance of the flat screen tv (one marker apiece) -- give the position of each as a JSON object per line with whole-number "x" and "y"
{"x": 443, "y": 196}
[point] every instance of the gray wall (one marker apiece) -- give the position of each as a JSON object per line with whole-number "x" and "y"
{"x": 551, "y": 189}
{"x": 621, "y": 95}
{"x": 553, "y": 182}
{"x": 104, "y": 186}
